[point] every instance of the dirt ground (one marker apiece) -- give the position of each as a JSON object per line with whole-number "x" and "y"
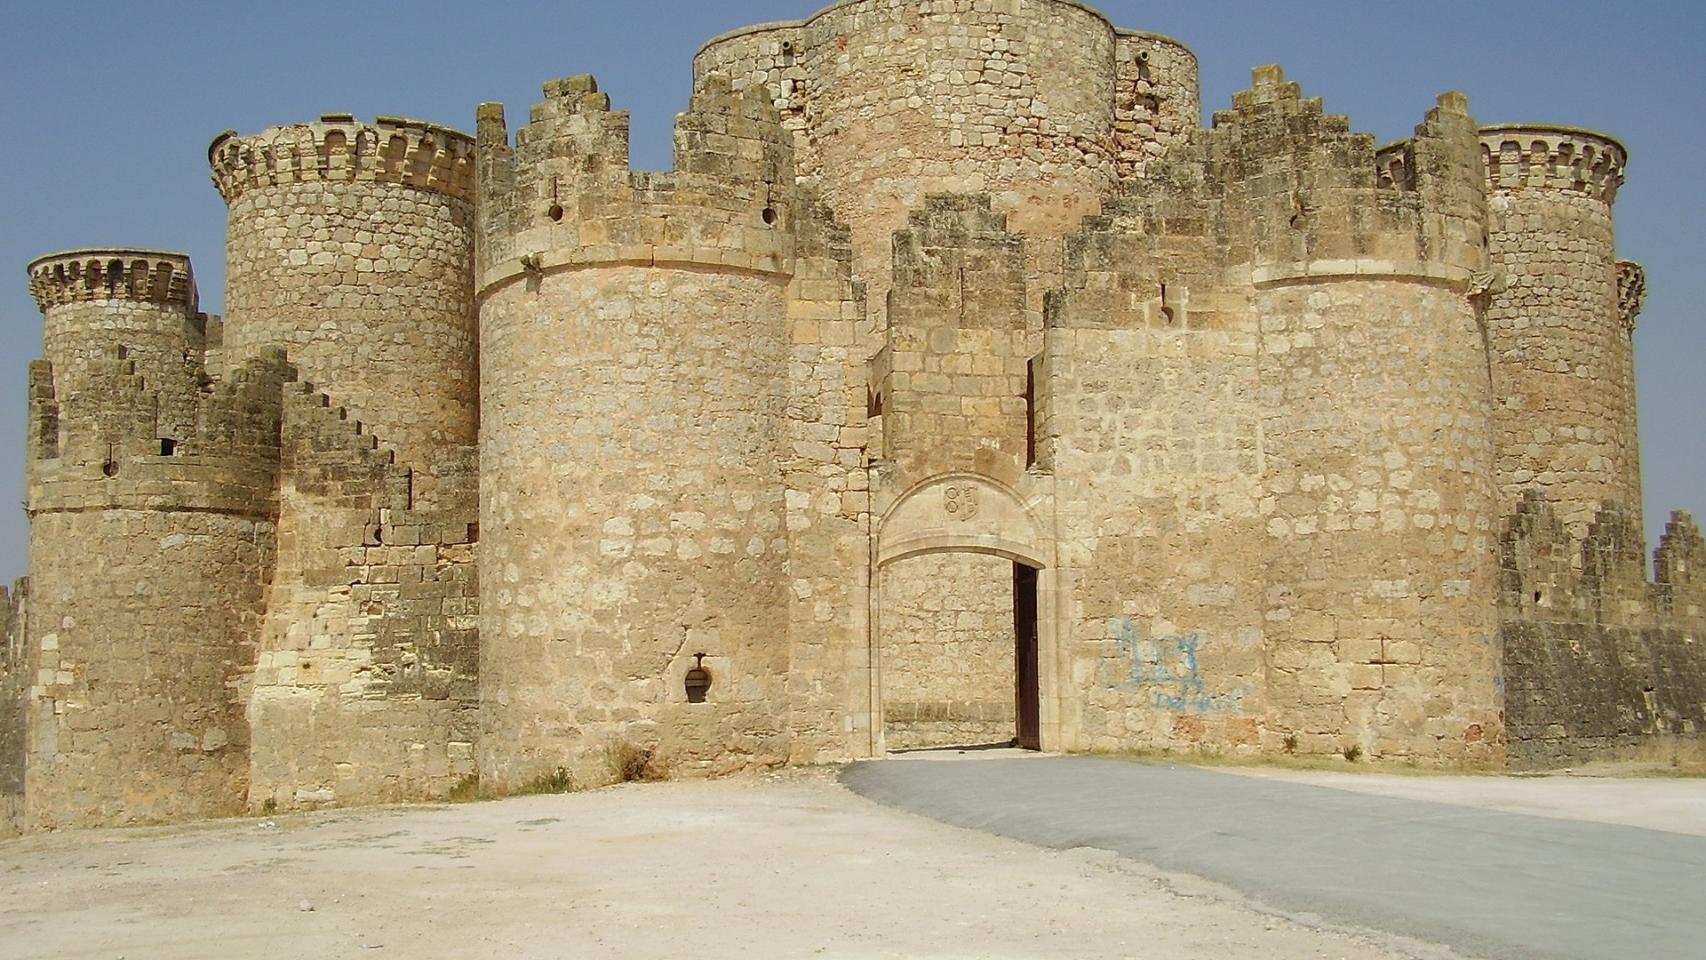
{"x": 791, "y": 866}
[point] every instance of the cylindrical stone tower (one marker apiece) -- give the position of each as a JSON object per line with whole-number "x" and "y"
{"x": 351, "y": 246}
{"x": 634, "y": 349}
{"x": 1562, "y": 357}
{"x": 1041, "y": 103}
{"x": 150, "y": 542}
{"x": 94, "y": 300}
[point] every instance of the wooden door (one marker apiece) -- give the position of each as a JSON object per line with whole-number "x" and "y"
{"x": 1025, "y": 649}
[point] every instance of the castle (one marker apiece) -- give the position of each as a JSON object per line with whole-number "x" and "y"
{"x": 957, "y": 386}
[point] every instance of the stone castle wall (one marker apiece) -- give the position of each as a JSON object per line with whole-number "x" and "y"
{"x": 132, "y": 669}
{"x": 501, "y": 437}
{"x": 636, "y": 507}
{"x": 365, "y": 686}
{"x": 351, "y": 245}
{"x": 1558, "y": 337}
{"x": 1601, "y": 662}
{"x": 947, "y": 657}
{"x": 1040, "y": 103}
{"x": 14, "y": 687}
{"x": 95, "y": 300}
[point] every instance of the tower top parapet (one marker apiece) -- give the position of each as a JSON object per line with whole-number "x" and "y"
{"x": 100, "y": 273}
{"x": 338, "y": 148}
{"x": 1547, "y": 157}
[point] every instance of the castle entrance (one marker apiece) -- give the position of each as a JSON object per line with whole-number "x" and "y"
{"x": 958, "y": 659}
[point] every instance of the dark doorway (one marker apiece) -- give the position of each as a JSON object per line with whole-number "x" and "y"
{"x": 1025, "y": 649}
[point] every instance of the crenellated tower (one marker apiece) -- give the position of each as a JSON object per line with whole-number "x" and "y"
{"x": 151, "y": 498}
{"x": 1045, "y": 105}
{"x": 634, "y": 360}
{"x": 1272, "y": 342}
{"x": 1560, "y": 320}
{"x": 350, "y": 245}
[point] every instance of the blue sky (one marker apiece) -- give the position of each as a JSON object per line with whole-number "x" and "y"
{"x": 109, "y": 108}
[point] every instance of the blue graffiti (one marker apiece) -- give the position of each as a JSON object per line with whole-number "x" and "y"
{"x": 1168, "y": 666}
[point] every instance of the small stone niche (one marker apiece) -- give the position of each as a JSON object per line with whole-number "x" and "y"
{"x": 697, "y": 682}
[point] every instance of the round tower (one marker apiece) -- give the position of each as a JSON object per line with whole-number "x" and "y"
{"x": 1562, "y": 355}
{"x": 150, "y": 503}
{"x": 95, "y": 300}
{"x": 351, "y": 246}
{"x": 634, "y": 351}
{"x": 1042, "y": 103}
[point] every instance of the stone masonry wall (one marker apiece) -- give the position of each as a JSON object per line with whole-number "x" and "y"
{"x": 1157, "y": 103}
{"x": 147, "y": 559}
{"x": 1600, "y": 663}
{"x": 1152, "y": 434}
{"x": 827, "y": 489}
{"x": 1016, "y": 98}
{"x": 135, "y": 713}
{"x": 14, "y": 685}
{"x": 636, "y": 414}
{"x": 950, "y": 379}
{"x": 948, "y": 651}
{"x": 365, "y": 685}
{"x": 634, "y": 519}
{"x": 1381, "y": 629}
{"x": 1561, "y": 351}
{"x": 95, "y": 300}
{"x": 351, "y": 246}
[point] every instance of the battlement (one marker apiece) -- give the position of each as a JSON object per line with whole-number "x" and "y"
{"x": 1342, "y": 207}
{"x": 340, "y": 149}
{"x": 563, "y": 195}
{"x": 149, "y": 276}
{"x": 119, "y": 441}
{"x": 1539, "y": 157}
{"x": 1631, "y": 292}
{"x": 1679, "y": 568}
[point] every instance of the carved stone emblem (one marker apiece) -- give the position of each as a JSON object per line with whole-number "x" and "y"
{"x": 960, "y": 501}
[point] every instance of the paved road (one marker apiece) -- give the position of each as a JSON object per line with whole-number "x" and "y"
{"x": 1489, "y": 884}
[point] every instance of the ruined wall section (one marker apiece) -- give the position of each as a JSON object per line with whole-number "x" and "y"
{"x": 635, "y": 371}
{"x": 365, "y": 687}
{"x": 1022, "y": 100}
{"x": 1599, "y": 662}
{"x": 151, "y": 537}
{"x": 14, "y": 687}
{"x": 1558, "y": 330}
{"x": 351, "y": 246}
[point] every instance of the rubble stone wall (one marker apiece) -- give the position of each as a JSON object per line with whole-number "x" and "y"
{"x": 1601, "y": 663}
{"x": 365, "y": 684}
{"x": 948, "y": 651}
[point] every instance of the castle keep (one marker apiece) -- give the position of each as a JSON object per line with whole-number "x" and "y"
{"x": 956, "y": 386}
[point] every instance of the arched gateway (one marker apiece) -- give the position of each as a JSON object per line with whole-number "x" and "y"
{"x": 962, "y": 610}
